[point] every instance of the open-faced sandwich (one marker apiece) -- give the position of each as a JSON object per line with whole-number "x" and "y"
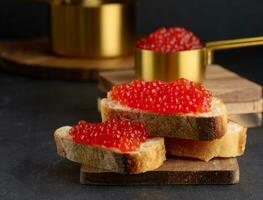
{"x": 116, "y": 145}
{"x": 144, "y": 120}
{"x": 180, "y": 109}
{"x": 192, "y": 121}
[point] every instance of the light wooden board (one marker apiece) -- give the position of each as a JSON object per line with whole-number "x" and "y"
{"x": 232, "y": 108}
{"x": 243, "y": 98}
{"x": 247, "y": 120}
{"x": 225, "y": 84}
{"x": 33, "y": 57}
{"x": 244, "y": 107}
{"x": 173, "y": 171}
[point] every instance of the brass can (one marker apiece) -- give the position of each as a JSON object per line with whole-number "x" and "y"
{"x": 93, "y": 28}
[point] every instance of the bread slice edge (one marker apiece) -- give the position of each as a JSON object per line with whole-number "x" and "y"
{"x": 189, "y": 126}
{"x": 232, "y": 144}
{"x": 148, "y": 157}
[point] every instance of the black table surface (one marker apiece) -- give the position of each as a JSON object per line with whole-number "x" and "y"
{"x": 31, "y": 109}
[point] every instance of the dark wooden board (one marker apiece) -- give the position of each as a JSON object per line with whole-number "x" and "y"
{"x": 173, "y": 171}
{"x": 33, "y": 57}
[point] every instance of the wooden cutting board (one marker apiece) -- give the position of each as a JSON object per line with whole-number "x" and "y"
{"x": 173, "y": 171}
{"x": 33, "y": 57}
{"x": 243, "y": 98}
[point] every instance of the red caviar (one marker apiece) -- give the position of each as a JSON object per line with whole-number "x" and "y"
{"x": 114, "y": 133}
{"x": 170, "y": 40}
{"x": 179, "y": 96}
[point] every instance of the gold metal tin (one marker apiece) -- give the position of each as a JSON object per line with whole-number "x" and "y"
{"x": 94, "y": 28}
{"x": 189, "y": 64}
{"x": 169, "y": 66}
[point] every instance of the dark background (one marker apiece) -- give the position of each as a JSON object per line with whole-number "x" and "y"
{"x": 31, "y": 109}
{"x": 211, "y": 20}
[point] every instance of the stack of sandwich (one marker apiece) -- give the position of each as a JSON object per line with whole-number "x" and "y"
{"x": 145, "y": 122}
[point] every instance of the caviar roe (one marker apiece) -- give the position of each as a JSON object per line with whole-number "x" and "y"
{"x": 168, "y": 40}
{"x": 114, "y": 133}
{"x": 179, "y": 96}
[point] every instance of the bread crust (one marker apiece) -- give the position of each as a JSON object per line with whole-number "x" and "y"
{"x": 232, "y": 144}
{"x": 195, "y": 127}
{"x": 147, "y": 158}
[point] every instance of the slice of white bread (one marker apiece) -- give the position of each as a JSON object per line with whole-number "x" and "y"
{"x": 232, "y": 144}
{"x": 202, "y": 126}
{"x": 149, "y": 156}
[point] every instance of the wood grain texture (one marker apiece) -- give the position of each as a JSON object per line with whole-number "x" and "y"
{"x": 245, "y": 107}
{"x": 247, "y": 120}
{"x": 243, "y": 98}
{"x": 236, "y": 108}
{"x": 173, "y": 171}
{"x": 33, "y": 57}
{"x": 225, "y": 84}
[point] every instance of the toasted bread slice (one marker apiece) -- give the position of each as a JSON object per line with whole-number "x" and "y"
{"x": 202, "y": 126}
{"x": 232, "y": 144}
{"x": 149, "y": 156}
